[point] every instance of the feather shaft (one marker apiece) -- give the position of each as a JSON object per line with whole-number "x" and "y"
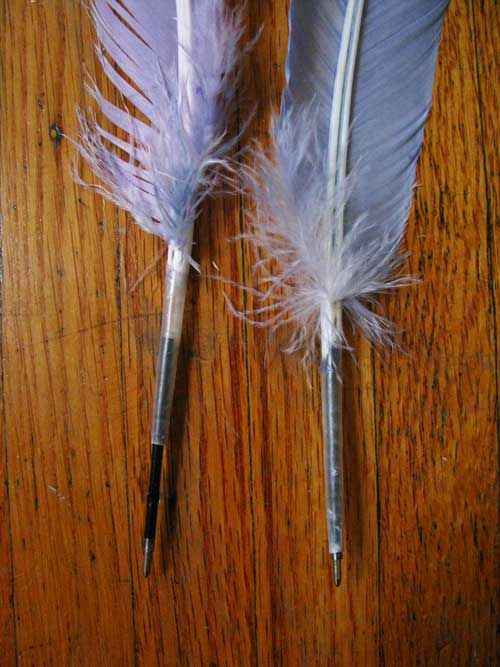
{"x": 177, "y": 265}
{"x": 331, "y": 324}
{"x": 176, "y": 277}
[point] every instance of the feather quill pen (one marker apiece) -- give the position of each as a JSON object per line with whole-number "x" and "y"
{"x": 172, "y": 61}
{"x": 334, "y": 196}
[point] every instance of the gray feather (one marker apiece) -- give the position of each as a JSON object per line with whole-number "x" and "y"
{"x": 300, "y": 210}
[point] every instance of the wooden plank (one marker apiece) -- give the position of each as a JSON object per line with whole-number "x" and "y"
{"x": 435, "y": 407}
{"x": 241, "y": 573}
{"x": 7, "y": 611}
{"x": 7, "y": 625}
{"x": 61, "y": 362}
{"x": 485, "y": 26}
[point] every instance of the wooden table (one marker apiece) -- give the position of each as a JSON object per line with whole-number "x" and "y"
{"x": 241, "y": 574}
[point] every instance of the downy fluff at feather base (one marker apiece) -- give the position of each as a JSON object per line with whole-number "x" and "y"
{"x": 292, "y": 229}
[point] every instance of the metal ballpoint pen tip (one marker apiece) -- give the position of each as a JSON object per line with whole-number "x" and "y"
{"x": 337, "y": 568}
{"x": 148, "y": 556}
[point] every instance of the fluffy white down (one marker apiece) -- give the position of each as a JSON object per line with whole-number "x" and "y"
{"x": 292, "y": 229}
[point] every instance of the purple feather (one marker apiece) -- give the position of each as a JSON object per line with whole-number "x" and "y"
{"x": 173, "y": 62}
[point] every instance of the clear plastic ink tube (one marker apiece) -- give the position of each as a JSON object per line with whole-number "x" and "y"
{"x": 176, "y": 278}
{"x": 331, "y": 369}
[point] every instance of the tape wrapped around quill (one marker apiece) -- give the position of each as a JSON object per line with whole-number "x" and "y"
{"x": 334, "y": 195}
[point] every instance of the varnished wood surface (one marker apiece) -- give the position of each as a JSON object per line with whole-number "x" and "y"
{"x": 241, "y": 574}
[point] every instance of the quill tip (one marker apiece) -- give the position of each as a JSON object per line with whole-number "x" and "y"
{"x": 337, "y": 568}
{"x": 148, "y": 556}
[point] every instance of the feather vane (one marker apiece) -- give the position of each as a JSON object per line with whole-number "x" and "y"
{"x": 333, "y": 197}
{"x": 168, "y": 163}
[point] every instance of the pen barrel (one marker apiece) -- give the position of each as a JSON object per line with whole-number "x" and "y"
{"x": 332, "y": 431}
{"x": 171, "y": 331}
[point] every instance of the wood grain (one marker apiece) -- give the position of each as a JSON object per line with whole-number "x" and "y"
{"x": 241, "y": 575}
{"x": 440, "y": 534}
